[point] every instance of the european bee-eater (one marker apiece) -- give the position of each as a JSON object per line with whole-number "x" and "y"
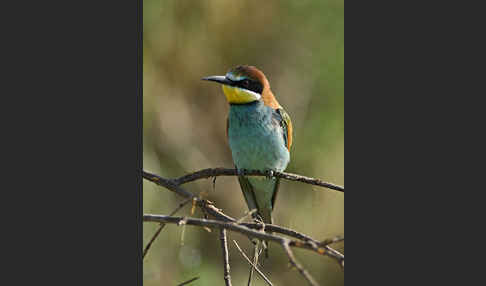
{"x": 259, "y": 132}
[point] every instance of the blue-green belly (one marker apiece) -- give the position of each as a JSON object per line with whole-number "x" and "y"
{"x": 255, "y": 139}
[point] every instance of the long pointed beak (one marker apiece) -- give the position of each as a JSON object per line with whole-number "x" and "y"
{"x": 218, "y": 78}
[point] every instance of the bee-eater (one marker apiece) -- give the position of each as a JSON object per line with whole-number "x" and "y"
{"x": 259, "y": 132}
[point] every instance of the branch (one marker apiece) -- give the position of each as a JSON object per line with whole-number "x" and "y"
{"x": 244, "y": 229}
{"x": 294, "y": 262}
{"x": 253, "y": 265}
{"x": 322, "y": 247}
{"x": 254, "y": 230}
{"x": 162, "y": 225}
{"x": 209, "y": 208}
{"x": 285, "y": 242}
{"x": 214, "y": 172}
{"x": 224, "y": 247}
{"x": 188, "y": 281}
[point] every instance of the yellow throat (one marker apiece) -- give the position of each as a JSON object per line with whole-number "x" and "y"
{"x": 237, "y": 95}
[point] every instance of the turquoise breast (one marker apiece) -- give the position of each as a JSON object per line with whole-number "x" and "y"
{"x": 256, "y": 137}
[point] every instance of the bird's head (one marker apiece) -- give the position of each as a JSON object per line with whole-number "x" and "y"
{"x": 245, "y": 84}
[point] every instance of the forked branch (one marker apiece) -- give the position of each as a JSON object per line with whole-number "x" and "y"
{"x": 255, "y": 230}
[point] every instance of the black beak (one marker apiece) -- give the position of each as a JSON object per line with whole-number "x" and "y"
{"x": 218, "y": 78}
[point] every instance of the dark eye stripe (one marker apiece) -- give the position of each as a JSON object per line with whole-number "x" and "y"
{"x": 252, "y": 85}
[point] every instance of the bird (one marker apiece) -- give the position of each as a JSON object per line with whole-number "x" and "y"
{"x": 259, "y": 132}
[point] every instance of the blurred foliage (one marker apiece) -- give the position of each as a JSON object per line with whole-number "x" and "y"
{"x": 299, "y": 45}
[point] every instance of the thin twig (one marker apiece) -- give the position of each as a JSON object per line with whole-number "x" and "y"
{"x": 188, "y": 281}
{"x": 253, "y": 265}
{"x": 162, "y": 225}
{"x": 247, "y": 215}
{"x": 294, "y": 262}
{"x": 255, "y": 262}
{"x": 331, "y": 241}
{"x": 214, "y": 172}
{"x": 226, "y": 266}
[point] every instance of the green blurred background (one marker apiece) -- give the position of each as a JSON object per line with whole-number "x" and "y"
{"x": 299, "y": 45}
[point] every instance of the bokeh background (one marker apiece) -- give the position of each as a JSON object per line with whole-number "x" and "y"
{"x": 299, "y": 45}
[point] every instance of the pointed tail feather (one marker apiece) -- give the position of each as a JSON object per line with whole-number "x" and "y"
{"x": 261, "y": 199}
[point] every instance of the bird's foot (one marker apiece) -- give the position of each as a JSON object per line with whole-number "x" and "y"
{"x": 270, "y": 174}
{"x": 259, "y": 220}
{"x": 241, "y": 172}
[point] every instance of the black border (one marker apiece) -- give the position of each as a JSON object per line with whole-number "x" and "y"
{"x": 139, "y": 192}
{"x": 68, "y": 142}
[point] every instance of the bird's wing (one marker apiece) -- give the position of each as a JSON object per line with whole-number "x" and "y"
{"x": 286, "y": 124}
{"x": 227, "y": 127}
{"x": 275, "y": 192}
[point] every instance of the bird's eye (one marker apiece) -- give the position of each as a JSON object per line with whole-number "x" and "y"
{"x": 246, "y": 83}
